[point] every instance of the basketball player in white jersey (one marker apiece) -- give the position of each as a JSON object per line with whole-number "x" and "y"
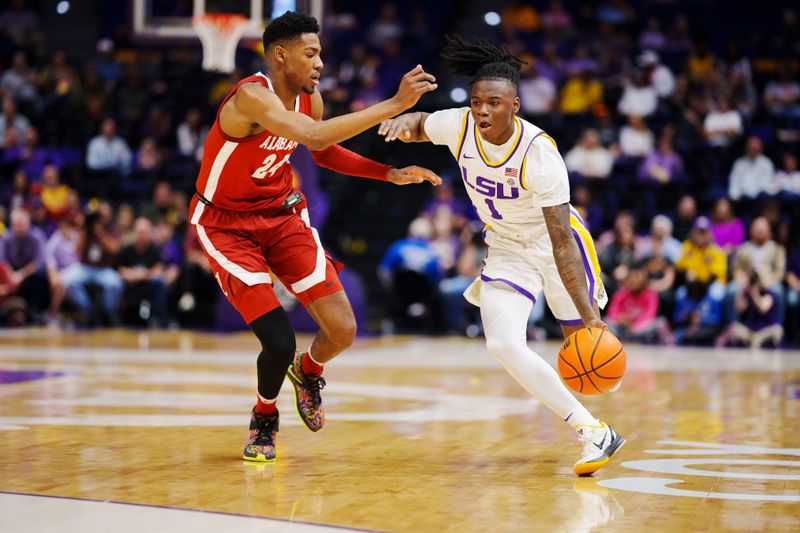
{"x": 518, "y": 183}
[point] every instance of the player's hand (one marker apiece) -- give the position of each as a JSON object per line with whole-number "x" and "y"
{"x": 413, "y": 85}
{"x": 395, "y": 128}
{"x": 596, "y": 323}
{"x": 411, "y": 175}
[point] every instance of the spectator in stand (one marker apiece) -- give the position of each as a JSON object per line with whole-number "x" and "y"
{"x": 759, "y": 322}
{"x": 580, "y": 93}
{"x": 537, "y": 93}
{"x": 762, "y": 255}
{"x": 19, "y": 82}
{"x": 387, "y": 27}
{"x": 581, "y": 61}
{"x": 20, "y": 23}
{"x": 662, "y": 165}
{"x": 701, "y": 62}
{"x": 29, "y": 156}
{"x": 10, "y": 118}
{"x": 639, "y": 97}
{"x": 617, "y": 258}
{"x": 196, "y": 284}
{"x": 61, "y": 253}
{"x": 659, "y": 76}
{"x": 41, "y": 224}
{"x": 635, "y": 139}
{"x": 142, "y": 270}
{"x": 727, "y": 229}
{"x": 191, "y": 135}
{"x": 520, "y": 17}
{"x": 589, "y": 158}
{"x": 132, "y": 97}
{"x": 148, "y": 158}
{"x": 685, "y": 216}
{"x": 19, "y": 195}
{"x": 793, "y": 290}
{"x": 444, "y": 201}
{"x": 723, "y": 125}
{"x": 22, "y": 250}
{"x": 97, "y": 248}
{"x": 108, "y": 68}
{"x": 555, "y": 20}
{"x": 468, "y": 267}
{"x": 165, "y": 239}
{"x": 702, "y": 260}
{"x": 698, "y": 315}
{"x": 108, "y": 151}
{"x": 652, "y": 38}
{"x": 161, "y": 207}
{"x": 591, "y": 212}
{"x": 660, "y": 242}
{"x": 782, "y": 96}
{"x": 661, "y": 275}
{"x": 410, "y": 272}
{"x": 633, "y": 311}
{"x": 752, "y": 174}
{"x": 787, "y": 179}
{"x": 55, "y": 195}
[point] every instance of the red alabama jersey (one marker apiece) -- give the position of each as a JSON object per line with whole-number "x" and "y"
{"x": 248, "y": 173}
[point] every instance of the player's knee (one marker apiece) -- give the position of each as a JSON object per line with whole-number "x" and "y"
{"x": 276, "y": 335}
{"x": 342, "y": 332}
{"x": 500, "y": 346}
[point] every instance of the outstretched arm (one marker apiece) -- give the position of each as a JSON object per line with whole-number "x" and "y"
{"x": 568, "y": 261}
{"x": 409, "y": 128}
{"x": 342, "y": 160}
{"x": 253, "y": 104}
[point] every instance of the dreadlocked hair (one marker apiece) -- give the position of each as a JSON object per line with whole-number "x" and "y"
{"x": 289, "y": 26}
{"x": 481, "y": 60}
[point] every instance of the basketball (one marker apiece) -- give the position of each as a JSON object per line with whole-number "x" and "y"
{"x": 592, "y": 361}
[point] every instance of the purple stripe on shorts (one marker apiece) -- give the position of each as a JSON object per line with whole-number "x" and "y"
{"x": 586, "y": 266}
{"x": 511, "y": 284}
{"x": 576, "y": 322}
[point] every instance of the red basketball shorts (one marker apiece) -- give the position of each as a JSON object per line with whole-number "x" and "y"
{"x": 246, "y": 250}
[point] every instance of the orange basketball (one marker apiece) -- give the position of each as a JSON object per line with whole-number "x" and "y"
{"x": 591, "y": 361}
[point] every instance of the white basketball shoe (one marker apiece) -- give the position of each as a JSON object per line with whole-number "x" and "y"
{"x": 600, "y": 443}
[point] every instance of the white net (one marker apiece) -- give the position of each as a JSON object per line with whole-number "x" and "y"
{"x": 219, "y": 34}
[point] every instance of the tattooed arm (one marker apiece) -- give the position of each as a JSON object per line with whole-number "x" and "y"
{"x": 568, "y": 261}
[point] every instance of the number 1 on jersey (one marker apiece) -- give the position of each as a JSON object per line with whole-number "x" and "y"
{"x": 493, "y": 210}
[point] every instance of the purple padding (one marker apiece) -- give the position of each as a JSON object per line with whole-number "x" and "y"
{"x": 511, "y": 284}
{"x": 18, "y": 376}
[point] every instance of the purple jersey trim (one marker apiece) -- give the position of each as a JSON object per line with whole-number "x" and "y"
{"x": 511, "y": 284}
{"x": 507, "y": 159}
{"x": 575, "y": 322}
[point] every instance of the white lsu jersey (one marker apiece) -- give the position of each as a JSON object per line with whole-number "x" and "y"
{"x": 507, "y": 184}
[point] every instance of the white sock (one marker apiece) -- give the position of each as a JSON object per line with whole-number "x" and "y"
{"x": 308, "y": 353}
{"x": 505, "y": 318}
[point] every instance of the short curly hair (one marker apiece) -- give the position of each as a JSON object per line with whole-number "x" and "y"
{"x": 287, "y": 27}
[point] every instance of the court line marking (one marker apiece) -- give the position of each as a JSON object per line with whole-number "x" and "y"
{"x": 295, "y": 526}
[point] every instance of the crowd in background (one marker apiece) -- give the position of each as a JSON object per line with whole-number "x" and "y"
{"x": 681, "y": 138}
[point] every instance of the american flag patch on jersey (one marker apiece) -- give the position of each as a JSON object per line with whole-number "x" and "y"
{"x": 511, "y": 172}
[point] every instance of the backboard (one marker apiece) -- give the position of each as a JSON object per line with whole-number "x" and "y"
{"x": 172, "y": 19}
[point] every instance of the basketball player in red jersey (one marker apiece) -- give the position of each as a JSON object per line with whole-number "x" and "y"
{"x": 251, "y": 221}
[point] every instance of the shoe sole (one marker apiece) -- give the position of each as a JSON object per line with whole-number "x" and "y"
{"x": 294, "y": 380}
{"x": 260, "y": 458}
{"x": 587, "y": 469}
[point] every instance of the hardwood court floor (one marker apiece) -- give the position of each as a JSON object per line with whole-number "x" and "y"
{"x": 422, "y": 435}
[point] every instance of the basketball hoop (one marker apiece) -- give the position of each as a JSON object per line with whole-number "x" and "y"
{"x": 219, "y": 33}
